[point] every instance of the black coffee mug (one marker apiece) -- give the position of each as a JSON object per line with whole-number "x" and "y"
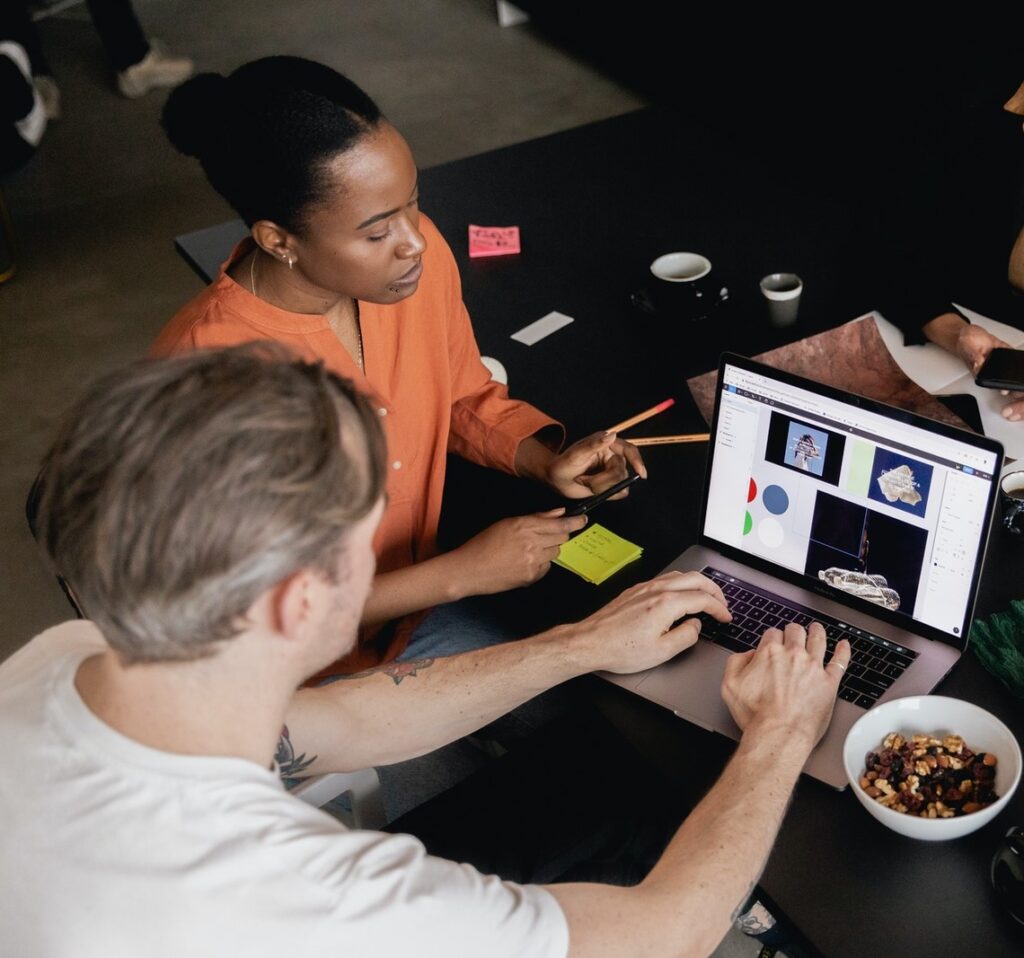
{"x": 681, "y": 288}
{"x": 1008, "y": 873}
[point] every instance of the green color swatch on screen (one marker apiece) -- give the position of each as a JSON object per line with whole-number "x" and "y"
{"x": 748, "y": 523}
{"x": 862, "y": 455}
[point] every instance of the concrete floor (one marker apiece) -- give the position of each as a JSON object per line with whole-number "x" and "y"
{"x": 96, "y": 211}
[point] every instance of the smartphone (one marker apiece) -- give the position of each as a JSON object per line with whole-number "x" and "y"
{"x": 1003, "y": 369}
{"x": 580, "y": 507}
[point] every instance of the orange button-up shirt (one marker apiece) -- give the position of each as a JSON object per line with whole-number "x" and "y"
{"x": 423, "y": 372}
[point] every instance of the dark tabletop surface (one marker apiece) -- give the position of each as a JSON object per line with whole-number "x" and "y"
{"x": 595, "y": 206}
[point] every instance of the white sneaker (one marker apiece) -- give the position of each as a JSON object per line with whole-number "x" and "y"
{"x": 155, "y": 69}
{"x": 49, "y": 93}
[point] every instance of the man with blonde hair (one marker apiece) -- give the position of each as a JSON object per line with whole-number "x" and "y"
{"x": 214, "y": 514}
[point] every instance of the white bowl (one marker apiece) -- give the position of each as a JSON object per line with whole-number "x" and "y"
{"x": 935, "y": 715}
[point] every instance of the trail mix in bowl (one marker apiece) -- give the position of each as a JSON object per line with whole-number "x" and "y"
{"x": 930, "y": 777}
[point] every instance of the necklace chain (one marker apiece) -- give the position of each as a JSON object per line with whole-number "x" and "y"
{"x": 359, "y": 328}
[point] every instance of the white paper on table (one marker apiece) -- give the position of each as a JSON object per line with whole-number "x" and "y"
{"x": 542, "y": 327}
{"x": 939, "y": 373}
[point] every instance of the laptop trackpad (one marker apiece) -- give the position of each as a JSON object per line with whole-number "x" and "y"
{"x": 691, "y": 686}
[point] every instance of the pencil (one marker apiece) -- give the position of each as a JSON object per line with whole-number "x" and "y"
{"x": 669, "y": 440}
{"x": 641, "y": 416}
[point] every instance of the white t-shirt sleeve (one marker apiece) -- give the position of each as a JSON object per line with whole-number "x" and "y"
{"x": 399, "y": 901}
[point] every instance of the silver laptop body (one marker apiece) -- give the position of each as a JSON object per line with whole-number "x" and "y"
{"x": 870, "y": 516}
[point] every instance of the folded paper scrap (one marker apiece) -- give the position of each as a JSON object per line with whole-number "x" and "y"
{"x": 493, "y": 240}
{"x": 596, "y": 554}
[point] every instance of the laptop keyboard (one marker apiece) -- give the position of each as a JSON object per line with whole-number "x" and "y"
{"x": 875, "y": 662}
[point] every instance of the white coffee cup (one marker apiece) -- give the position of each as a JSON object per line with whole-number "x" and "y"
{"x": 681, "y": 267}
{"x": 782, "y": 290}
{"x": 1011, "y": 484}
{"x": 496, "y": 369}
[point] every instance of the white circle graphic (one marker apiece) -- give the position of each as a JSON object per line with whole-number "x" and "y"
{"x": 769, "y": 531}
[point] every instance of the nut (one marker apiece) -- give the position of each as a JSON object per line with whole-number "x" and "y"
{"x": 913, "y": 775}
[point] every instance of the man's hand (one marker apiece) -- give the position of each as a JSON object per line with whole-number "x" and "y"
{"x": 634, "y": 632}
{"x": 785, "y": 683}
{"x": 512, "y": 552}
{"x": 592, "y": 465}
{"x": 973, "y": 345}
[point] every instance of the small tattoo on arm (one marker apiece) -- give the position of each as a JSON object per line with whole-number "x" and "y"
{"x": 396, "y": 670}
{"x": 291, "y": 766}
{"x": 744, "y": 901}
{"x": 401, "y": 670}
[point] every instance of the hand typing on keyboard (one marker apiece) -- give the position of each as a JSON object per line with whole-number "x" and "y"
{"x": 650, "y": 622}
{"x": 786, "y": 681}
{"x": 876, "y": 663}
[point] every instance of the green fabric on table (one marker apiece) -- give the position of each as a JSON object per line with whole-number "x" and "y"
{"x": 998, "y": 642}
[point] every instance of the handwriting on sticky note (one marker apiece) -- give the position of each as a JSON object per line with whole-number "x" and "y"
{"x": 542, "y": 327}
{"x": 493, "y": 240}
{"x": 597, "y": 553}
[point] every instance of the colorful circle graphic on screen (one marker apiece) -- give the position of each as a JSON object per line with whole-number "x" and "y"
{"x": 752, "y": 491}
{"x": 748, "y": 523}
{"x": 775, "y": 499}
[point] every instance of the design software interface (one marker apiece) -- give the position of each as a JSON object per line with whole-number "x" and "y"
{"x": 875, "y": 507}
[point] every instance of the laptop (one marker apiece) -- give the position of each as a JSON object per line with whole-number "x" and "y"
{"x": 820, "y": 505}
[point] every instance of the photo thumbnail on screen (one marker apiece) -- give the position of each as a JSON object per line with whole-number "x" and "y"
{"x": 900, "y": 481}
{"x": 804, "y": 448}
{"x": 865, "y": 553}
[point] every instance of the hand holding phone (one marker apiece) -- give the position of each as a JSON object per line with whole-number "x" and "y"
{"x": 1002, "y": 369}
{"x": 580, "y": 507}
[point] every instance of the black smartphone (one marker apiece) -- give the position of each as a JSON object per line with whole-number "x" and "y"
{"x": 1003, "y": 369}
{"x": 580, "y": 507}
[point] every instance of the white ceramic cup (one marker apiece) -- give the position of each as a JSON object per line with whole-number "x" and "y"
{"x": 496, "y": 368}
{"x": 681, "y": 267}
{"x": 1011, "y": 484}
{"x": 782, "y": 291}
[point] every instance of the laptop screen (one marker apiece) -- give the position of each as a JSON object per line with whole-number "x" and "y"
{"x": 878, "y": 508}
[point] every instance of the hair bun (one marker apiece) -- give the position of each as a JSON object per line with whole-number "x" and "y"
{"x": 194, "y": 112}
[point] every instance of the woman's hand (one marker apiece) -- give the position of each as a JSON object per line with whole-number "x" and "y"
{"x": 973, "y": 345}
{"x": 592, "y": 465}
{"x": 512, "y": 553}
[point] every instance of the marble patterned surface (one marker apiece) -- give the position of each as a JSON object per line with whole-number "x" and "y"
{"x": 851, "y": 357}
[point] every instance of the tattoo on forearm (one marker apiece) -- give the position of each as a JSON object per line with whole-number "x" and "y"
{"x": 756, "y": 921}
{"x": 291, "y": 766}
{"x": 743, "y": 902}
{"x": 396, "y": 670}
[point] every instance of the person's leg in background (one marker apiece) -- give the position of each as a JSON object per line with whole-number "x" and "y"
{"x": 119, "y": 31}
{"x": 140, "y": 65}
{"x": 16, "y": 24}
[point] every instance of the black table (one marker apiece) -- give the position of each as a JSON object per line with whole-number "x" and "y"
{"x": 596, "y": 205}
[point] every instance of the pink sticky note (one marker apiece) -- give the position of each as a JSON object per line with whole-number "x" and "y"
{"x": 493, "y": 240}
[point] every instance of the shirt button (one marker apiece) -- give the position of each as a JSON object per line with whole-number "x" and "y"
{"x": 382, "y": 411}
{"x": 396, "y": 465}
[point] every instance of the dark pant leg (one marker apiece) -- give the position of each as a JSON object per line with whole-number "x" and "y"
{"x": 572, "y": 802}
{"x": 119, "y": 31}
{"x": 17, "y": 25}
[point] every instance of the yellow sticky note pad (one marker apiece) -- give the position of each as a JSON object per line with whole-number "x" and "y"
{"x": 596, "y": 554}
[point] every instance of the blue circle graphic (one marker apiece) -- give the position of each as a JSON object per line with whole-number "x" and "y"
{"x": 775, "y": 499}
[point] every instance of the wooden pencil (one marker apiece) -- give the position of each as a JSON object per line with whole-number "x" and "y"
{"x": 641, "y": 416}
{"x": 670, "y": 440}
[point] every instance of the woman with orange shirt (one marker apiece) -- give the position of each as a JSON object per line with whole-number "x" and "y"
{"x": 342, "y": 266}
